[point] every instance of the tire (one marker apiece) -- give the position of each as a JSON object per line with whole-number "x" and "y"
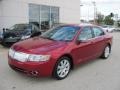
{"x": 6, "y": 44}
{"x": 106, "y": 52}
{"x": 62, "y": 68}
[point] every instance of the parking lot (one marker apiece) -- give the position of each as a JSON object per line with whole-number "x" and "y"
{"x": 95, "y": 75}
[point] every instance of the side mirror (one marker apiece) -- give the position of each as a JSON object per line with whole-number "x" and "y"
{"x": 36, "y": 34}
{"x": 4, "y": 30}
{"x": 78, "y": 42}
{"x": 7, "y": 29}
{"x": 81, "y": 41}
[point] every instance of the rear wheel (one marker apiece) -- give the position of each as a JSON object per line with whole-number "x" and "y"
{"x": 106, "y": 52}
{"x": 62, "y": 68}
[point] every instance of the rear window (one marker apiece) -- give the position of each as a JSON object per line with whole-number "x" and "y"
{"x": 20, "y": 27}
{"x": 98, "y": 31}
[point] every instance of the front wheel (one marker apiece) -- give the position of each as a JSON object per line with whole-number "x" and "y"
{"x": 62, "y": 68}
{"x": 6, "y": 44}
{"x": 106, "y": 52}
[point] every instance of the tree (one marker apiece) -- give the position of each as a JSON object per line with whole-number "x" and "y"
{"x": 118, "y": 23}
{"x": 108, "y": 19}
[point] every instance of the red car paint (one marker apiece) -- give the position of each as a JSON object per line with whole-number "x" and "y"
{"x": 79, "y": 52}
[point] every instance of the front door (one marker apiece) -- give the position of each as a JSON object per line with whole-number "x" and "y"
{"x": 85, "y": 50}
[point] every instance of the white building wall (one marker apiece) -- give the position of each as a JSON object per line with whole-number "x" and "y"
{"x": 17, "y": 11}
{"x": 69, "y": 9}
{"x": 13, "y": 11}
{"x": 0, "y": 15}
{"x": 0, "y": 8}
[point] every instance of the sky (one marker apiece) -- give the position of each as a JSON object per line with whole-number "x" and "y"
{"x": 103, "y": 6}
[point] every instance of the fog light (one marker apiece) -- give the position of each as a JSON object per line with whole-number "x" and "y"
{"x": 34, "y": 73}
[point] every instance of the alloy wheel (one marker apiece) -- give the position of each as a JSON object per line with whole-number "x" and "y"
{"x": 62, "y": 68}
{"x": 107, "y": 52}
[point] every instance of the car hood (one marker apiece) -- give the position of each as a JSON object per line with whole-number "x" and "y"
{"x": 13, "y": 33}
{"x": 38, "y": 45}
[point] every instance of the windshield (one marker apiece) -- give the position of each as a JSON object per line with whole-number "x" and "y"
{"x": 61, "y": 33}
{"x": 104, "y": 26}
{"x": 107, "y": 26}
{"x": 20, "y": 27}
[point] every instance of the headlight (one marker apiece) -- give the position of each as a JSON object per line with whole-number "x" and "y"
{"x": 23, "y": 57}
{"x": 11, "y": 52}
{"x": 39, "y": 57}
{"x": 18, "y": 55}
{"x": 25, "y": 37}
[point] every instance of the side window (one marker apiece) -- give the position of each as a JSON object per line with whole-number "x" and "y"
{"x": 97, "y": 31}
{"x": 85, "y": 34}
{"x": 34, "y": 28}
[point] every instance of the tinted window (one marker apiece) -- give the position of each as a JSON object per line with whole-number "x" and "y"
{"x": 20, "y": 27}
{"x": 61, "y": 33}
{"x": 85, "y": 34}
{"x": 97, "y": 31}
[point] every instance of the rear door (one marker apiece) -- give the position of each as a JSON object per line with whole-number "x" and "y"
{"x": 99, "y": 42}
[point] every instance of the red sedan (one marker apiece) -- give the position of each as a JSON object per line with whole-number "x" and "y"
{"x": 57, "y": 51}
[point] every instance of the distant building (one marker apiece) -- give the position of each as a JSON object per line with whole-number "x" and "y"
{"x": 43, "y": 13}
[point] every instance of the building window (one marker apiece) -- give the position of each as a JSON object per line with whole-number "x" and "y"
{"x": 43, "y": 16}
{"x": 34, "y": 16}
{"x": 54, "y": 15}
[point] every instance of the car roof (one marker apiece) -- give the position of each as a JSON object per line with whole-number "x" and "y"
{"x": 86, "y": 24}
{"x": 81, "y": 25}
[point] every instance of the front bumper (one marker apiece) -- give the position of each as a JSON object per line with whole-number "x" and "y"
{"x": 32, "y": 68}
{"x": 12, "y": 40}
{"x": 0, "y": 40}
